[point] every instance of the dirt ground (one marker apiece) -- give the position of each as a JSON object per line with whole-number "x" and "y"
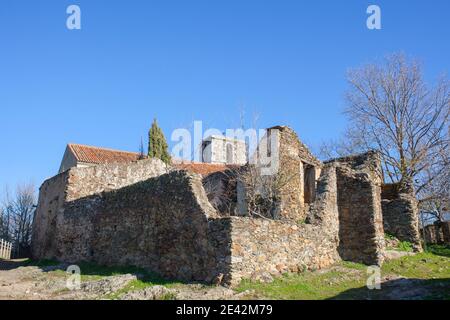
{"x": 22, "y": 280}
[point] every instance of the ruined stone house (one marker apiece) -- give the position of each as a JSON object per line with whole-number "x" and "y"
{"x": 170, "y": 220}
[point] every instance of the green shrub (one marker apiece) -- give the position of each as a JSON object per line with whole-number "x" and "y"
{"x": 388, "y": 236}
{"x": 405, "y": 246}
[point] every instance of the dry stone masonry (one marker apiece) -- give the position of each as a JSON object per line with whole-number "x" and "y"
{"x": 400, "y": 213}
{"x": 437, "y": 233}
{"x": 182, "y": 225}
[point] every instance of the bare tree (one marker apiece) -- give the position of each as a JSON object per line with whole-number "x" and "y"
{"x": 391, "y": 109}
{"x": 141, "y": 150}
{"x": 263, "y": 193}
{"x": 3, "y": 224}
{"x": 435, "y": 196}
{"x": 18, "y": 212}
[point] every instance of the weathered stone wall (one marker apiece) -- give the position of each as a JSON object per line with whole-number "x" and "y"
{"x": 437, "y": 233}
{"x": 165, "y": 224}
{"x": 77, "y": 183}
{"x": 138, "y": 214}
{"x": 52, "y": 196}
{"x": 400, "y": 213}
{"x": 96, "y": 179}
{"x": 262, "y": 248}
{"x": 359, "y": 203}
{"x": 294, "y": 156}
{"x": 446, "y": 231}
{"x": 344, "y": 222}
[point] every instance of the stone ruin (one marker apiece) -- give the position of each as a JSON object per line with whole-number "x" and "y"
{"x": 437, "y": 233}
{"x": 170, "y": 220}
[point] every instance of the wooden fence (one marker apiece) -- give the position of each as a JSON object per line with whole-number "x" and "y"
{"x": 5, "y": 249}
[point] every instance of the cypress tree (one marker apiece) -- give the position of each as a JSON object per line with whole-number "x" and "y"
{"x": 157, "y": 145}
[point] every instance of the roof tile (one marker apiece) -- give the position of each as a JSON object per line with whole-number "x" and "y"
{"x": 96, "y": 155}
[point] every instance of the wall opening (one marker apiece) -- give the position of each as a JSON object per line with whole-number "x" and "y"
{"x": 309, "y": 183}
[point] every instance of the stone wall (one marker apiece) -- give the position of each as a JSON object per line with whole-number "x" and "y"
{"x": 102, "y": 178}
{"x": 437, "y": 233}
{"x": 400, "y": 213}
{"x": 294, "y": 157}
{"x": 167, "y": 225}
{"x": 52, "y": 197}
{"x": 164, "y": 224}
{"x": 262, "y": 248}
{"x": 359, "y": 204}
{"x": 344, "y": 222}
{"x": 445, "y": 231}
{"x": 77, "y": 183}
{"x": 143, "y": 215}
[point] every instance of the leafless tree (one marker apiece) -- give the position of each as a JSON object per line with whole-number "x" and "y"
{"x": 435, "y": 196}
{"x": 391, "y": 109}
{"x": 18, "y": 212}
{"x": 141, "y": 150}
{"x": 263, "y": 193}
{"x": 3, "y": 224}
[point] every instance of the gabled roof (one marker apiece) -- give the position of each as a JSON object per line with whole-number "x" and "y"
{"x": 96, "y": 155}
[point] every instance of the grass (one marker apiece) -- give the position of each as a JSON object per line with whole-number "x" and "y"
{"x": 401, "y": 245}
{"x": 304, "y": 286}
{"x": 440, "y": 250}
{"x": 348, "y": 280}
{"x": 39, "y": 263}
{"x": 425, "y": 265}
{"x": 405, "y": 246}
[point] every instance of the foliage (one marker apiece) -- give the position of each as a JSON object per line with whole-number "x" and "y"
{"x": 405, "y": 246}
{"x": 440, "y": 250}
{"x": 389, "y": 236}
{"x": 157, "y": 144}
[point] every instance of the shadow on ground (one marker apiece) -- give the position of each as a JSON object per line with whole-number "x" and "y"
{"x": 401, "y": 289}
{"x": 439, "y": 250}
{"x": 12, "y": 264}
{"x": 89, "y": 269}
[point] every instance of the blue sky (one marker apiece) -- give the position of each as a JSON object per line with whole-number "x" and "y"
{"x": 181, "y": 61}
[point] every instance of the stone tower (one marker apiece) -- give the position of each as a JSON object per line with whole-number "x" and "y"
{"x": 223, "y": 150}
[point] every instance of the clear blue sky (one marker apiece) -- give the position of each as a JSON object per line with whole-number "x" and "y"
{"x": 188, "y": 60}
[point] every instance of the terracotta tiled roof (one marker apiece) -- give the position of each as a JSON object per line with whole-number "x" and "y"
{"x": 96, "y": 155}
{"x": 202, "y": 168}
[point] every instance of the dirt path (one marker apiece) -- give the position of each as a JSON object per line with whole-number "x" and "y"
{"x": 21, "y": 282}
